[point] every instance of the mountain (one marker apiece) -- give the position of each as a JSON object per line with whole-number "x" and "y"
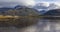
{"x": 39, "y": 8}
{"x": 42, "y": 12}
{"x": 54, "y": 12}
{"x": 5, "y": 9}
{"x": 8, "y": 8}
{"x": 43, "y": 7}
{"x": 18, "y": 6}
{"x": 21, "y": 11}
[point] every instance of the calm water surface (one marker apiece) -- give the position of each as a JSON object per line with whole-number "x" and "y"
{"x": 48, "y": 25}
{"x": 43, "y": 25}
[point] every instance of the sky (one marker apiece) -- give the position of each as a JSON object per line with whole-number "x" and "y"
{"x": 16, "y": 2}
{"x": 49, "y": 0}
{"x": 12, "y": 3}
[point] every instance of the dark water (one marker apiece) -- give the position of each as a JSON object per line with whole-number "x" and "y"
{"x": 42, "y": 25}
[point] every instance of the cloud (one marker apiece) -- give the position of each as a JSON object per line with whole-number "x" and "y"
{"x": 45, "y": 4}
{"x": 57, "y": 3}
{"x": 17, "y": 2}
{"x": 49, "y": 0}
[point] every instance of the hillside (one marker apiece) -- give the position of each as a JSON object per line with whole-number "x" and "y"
{"x": 23, "y": 11}
{"x": 54, "y": 12}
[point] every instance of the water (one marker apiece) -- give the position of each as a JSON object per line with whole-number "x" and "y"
{"x": 42, "y": 25}
{"x": 47, "y": 25}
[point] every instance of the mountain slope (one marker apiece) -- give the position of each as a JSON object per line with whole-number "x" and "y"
{"x": 23, "y": 11}
{"x": 54, "y": 12}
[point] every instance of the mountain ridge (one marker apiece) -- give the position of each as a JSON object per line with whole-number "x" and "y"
{"x": 20, "y": 11}
{"x": 54, "y": 12}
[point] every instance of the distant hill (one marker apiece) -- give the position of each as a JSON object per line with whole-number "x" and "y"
{"x": 53, "y": 12}
{"x": 5, "y": 9}
{"x": 8, "y": 8}
{"x": 2, "y": 10}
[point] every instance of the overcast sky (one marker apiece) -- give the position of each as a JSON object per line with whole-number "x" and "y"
{"x": 11, "y": 3}
{"x": 49, "y": 0}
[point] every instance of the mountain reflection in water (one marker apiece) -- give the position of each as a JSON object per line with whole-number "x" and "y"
{"x": 42, "y": 25}
{"x": 48, "y": 25}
